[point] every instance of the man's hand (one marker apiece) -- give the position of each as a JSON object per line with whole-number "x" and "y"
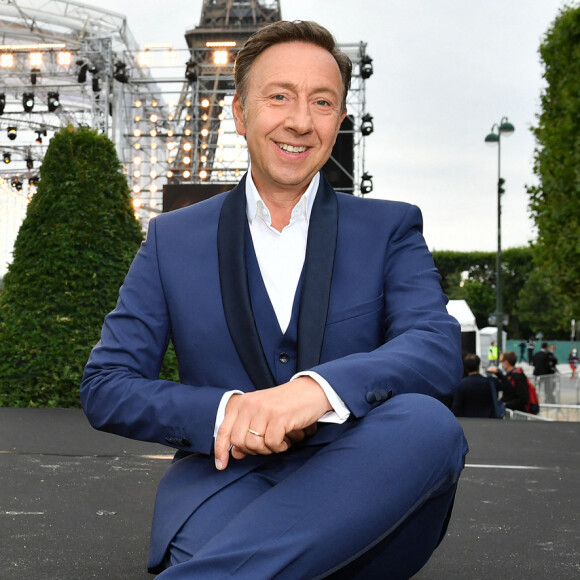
{"x": 270, "y": 420}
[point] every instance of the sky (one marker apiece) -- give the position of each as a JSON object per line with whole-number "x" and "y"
{"x": 445, "y": 71}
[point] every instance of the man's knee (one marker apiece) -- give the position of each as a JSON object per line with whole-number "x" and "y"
{"x": 421, "y": 425}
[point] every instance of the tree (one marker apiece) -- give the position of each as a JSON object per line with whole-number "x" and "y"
{"x": 70, "y": 257}
{"x": 555, "y": 201}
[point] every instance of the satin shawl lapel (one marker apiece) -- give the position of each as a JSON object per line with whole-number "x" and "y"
{"x": 235, "y": 290}
{"x": 318, "y": 264}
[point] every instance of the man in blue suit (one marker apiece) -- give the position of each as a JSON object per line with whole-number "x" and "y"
{"x": 313, "y": 345}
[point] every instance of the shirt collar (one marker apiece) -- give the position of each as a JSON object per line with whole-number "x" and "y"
{"x": 255, "y": 204}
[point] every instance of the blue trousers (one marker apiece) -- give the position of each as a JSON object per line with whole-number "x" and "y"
{"x": 374, "y": 503}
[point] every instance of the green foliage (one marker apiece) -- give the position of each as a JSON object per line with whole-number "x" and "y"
{"x": 71, "y": 255}
{"x": 471, "y": 276}
{"x": 555, "y": 202}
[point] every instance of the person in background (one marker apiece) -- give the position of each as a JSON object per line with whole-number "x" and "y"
{"x": 523, "y": 344}
{"x": 531, "y": 347}
{"x": 473, "y": 397}
{"x": 573, "y": 361}
{"x": 492, "y": 355}
{"x": 512, "y": 382}
{"x": 544, "y": 369}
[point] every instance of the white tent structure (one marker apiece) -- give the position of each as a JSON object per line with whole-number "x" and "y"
{"x": 460, "y": 310}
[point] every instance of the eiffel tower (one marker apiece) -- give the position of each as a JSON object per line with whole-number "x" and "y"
{"x": 217, "y": 154}
{"x": 212, "y": 157}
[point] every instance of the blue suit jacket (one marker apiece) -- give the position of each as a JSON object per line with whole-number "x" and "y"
{"x": 371, "y": 320}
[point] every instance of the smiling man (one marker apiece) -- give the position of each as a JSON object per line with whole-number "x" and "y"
{"x": 313, "y": 345}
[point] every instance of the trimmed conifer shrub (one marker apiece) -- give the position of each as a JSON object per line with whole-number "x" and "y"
{"x": 72, "y": 252}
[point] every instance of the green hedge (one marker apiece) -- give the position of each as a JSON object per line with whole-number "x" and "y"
{"x": 70, "y": 257}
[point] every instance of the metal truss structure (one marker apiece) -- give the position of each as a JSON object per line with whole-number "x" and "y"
{"x": 167, "y": 110}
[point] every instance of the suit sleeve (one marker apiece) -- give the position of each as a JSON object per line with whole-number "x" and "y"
{"x": 121, "y": 392}
{"x": 421, "y": 349}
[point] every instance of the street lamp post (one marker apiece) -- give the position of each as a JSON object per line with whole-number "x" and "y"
{"x": 504, "y": 127}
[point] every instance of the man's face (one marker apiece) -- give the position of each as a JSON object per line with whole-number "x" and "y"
{"x": 504, "y": 364}
{"x": 292, "y": 115}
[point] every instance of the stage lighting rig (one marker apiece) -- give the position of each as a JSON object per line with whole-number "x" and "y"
{"x": 7, "y": 157}
{"x": 367, "y": 126}
{"x": 82, "y": 74}
{"x": 39, "y": 135}
{"x": 11, "y": 132}
{"x": 366, "y": 184}
{"x": 28, "y": 102}
{"x": 366, "y": 67}
{"x": 120, "y": 73}
{"x": 53, "y": 101}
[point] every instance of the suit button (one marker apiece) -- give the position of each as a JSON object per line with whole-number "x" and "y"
{"x": 371, "y": 397}
{"x": 284, "y": 357}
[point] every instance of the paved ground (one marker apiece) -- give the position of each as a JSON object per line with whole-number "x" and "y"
{"x": 76, "y": 503}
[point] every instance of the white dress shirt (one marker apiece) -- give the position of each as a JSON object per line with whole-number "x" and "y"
{"x": 281, "y": 259}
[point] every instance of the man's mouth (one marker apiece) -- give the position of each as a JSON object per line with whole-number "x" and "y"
{"x": 291, "y": 148}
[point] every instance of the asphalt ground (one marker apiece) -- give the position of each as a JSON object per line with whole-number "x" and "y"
{"x": 76, "y": 503}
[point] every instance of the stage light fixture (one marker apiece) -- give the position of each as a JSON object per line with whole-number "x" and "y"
{"x": 64, "y": 58}
{"x": 29, "y": 161}
{"x": 35, "y": 59}
{"x": 2, "y": 103}
{"x": 191, "y": 71}
{"x": 16, "y": 183}
{"x": 220, "y": 57}
{"x": 366, "y": 184}
{"x": 53, "y": 101}
{"x": 96, "y": 86}
{"x": 82, "y": 74}
{"x": 34, "y": 75}
{"x": 28, "y": 102}
{"x": 7, "y": 157}
{"x": 6, "y": 60}
{"x": 367, "y": 126}
{"x": 120, "y": 73}
{"x": 11, "y": 132}
{"x": 34, "y": 180}
{"x": 39, "y": 135}
{"x": 366, "y": 67}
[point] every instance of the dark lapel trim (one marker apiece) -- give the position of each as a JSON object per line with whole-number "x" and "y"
{"x": 235, "y": 290}
{"x": 318, "y": 265}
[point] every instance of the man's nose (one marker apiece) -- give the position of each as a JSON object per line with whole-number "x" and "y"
{"x": 299, "y": 118}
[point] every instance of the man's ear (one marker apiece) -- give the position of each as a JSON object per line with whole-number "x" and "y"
{"x": 238, "y": 112}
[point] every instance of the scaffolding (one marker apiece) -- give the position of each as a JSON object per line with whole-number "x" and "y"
{"x": 168, "y": 110}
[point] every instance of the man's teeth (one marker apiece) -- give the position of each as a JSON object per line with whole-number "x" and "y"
{"x": 291, "y": 148}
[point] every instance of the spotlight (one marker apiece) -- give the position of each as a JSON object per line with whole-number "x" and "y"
{"x": 34, "y": 75}
{"x": 39, "y": 135}
{"x": 367, "y": 126}
{"x": 220, "y": 57}
{"x": 366, "y": 67}
{"x": 53, "y": 102}
{"x": 366, "y": 184}
{"x": 2, "y": 103}
{"x": 96, "y": 87}
{"x": 33, "y": 180}
{"x": 11, "y": 132}
{"x": 16, "y": 183}
{"x": 7, "y": 158}
{"x": 120, "y": 73}
{"x": 29, "y": 162}
{"x": 28, "y": 102}
{"x": 84, "y": 67}
{"x": 191, "y": 71}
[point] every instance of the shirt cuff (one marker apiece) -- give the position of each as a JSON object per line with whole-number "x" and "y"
{"x": 340, "y": 412}
{"x": 221, "y": 412}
